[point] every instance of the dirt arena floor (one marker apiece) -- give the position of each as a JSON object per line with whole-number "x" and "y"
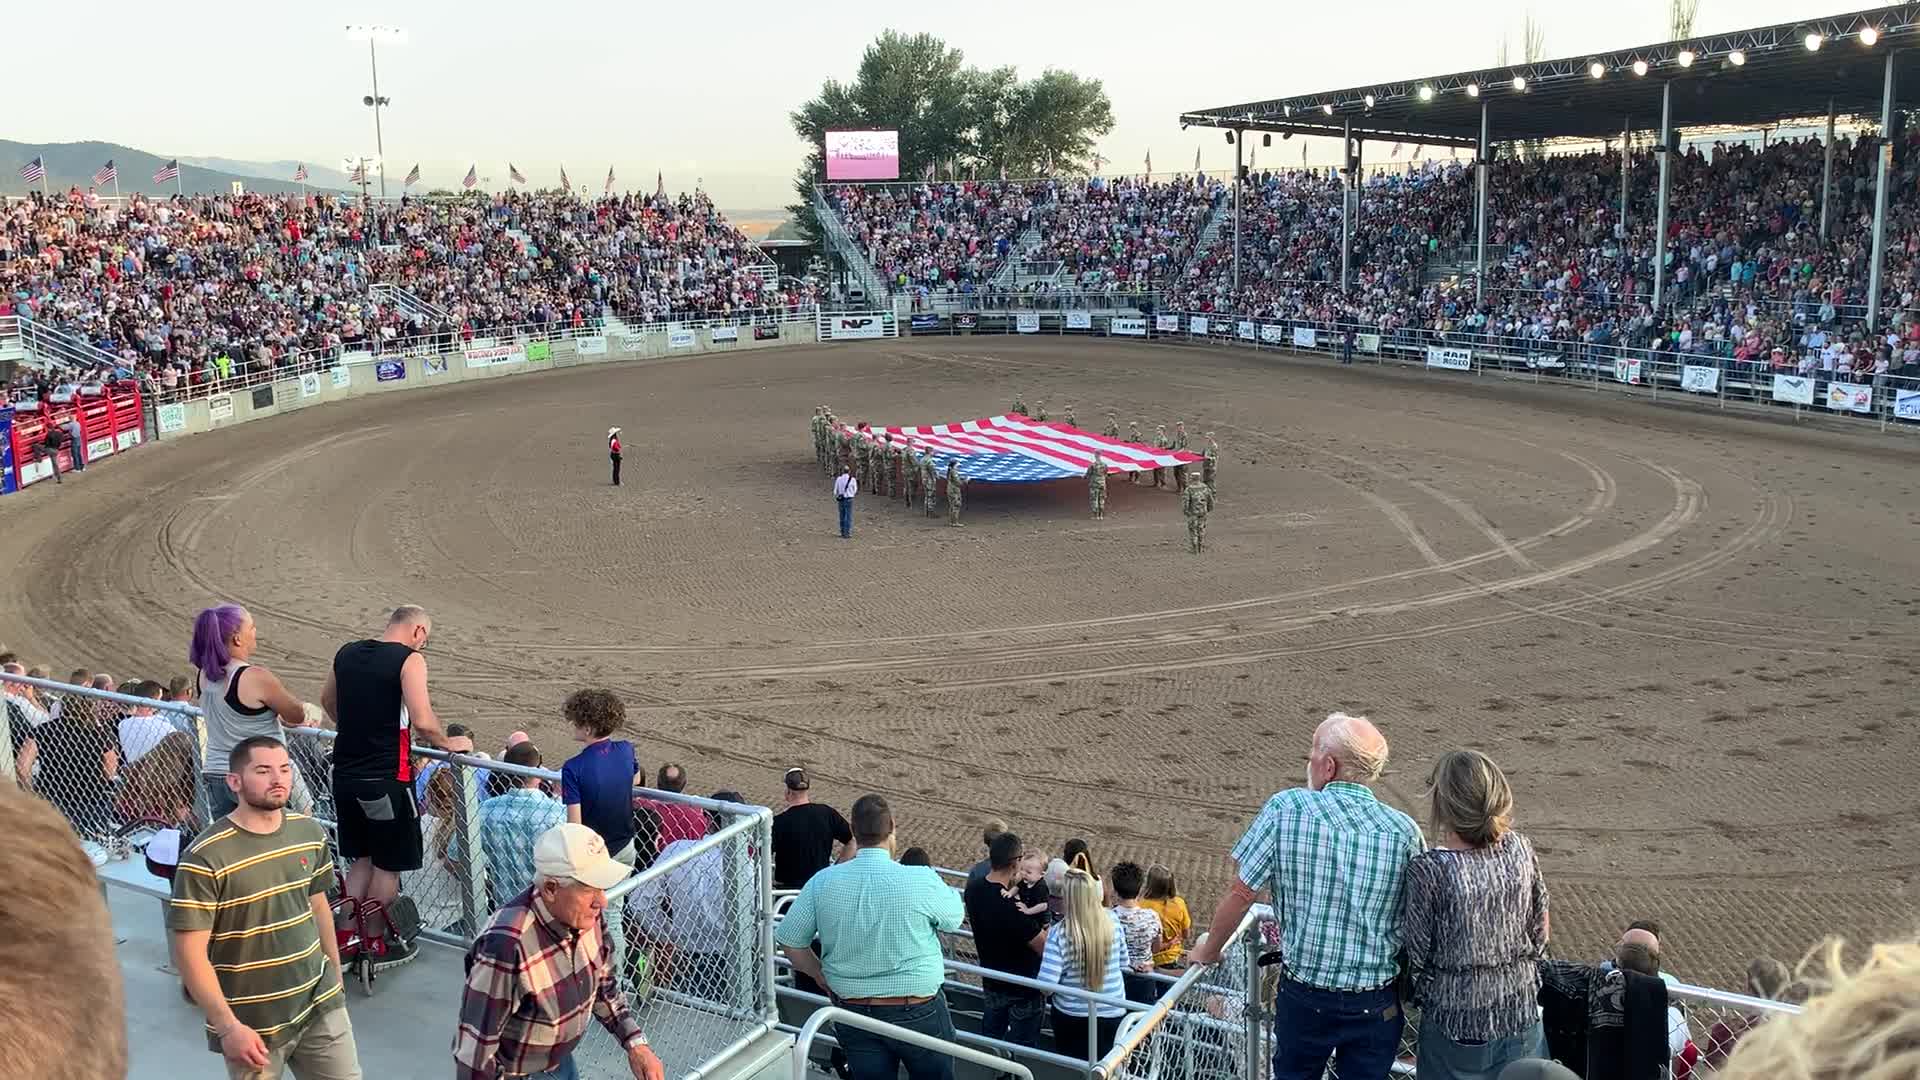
{"x": 1689, "y": 638}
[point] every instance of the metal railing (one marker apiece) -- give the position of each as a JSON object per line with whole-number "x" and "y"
{"x": 803, "y": 1044}
{"x": 51, "y": 347}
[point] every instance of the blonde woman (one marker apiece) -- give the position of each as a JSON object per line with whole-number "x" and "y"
{"x": 1475, "y": 927}
{"x": 1862, "y": 1025}
{"x": 1087, "y": 950}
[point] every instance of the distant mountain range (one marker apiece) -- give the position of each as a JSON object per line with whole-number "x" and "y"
{"x": 74, "y": 165}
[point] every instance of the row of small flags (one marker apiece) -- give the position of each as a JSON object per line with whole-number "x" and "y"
{"x": 35, "y": 171}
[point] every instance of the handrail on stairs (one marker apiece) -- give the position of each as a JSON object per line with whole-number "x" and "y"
{"x": 803, "y": 1043}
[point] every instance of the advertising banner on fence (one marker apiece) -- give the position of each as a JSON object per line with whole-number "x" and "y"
{"x": 432, "y": 365}
{"x": 1441, "y": 356}
{"x": 490, "y": 355}
{"x": 1079, "y": 320}
{"x": 591, "y": 346}
{"x": 766, "y": 333}
{"x": 844, "y": 328}
{"x": 220, "y": 407}
{"x": 310, "y": 384}
{"x": 1906, "y": 404}
{"x": 1244, "y": 330}
{"x": 1626, "y": 370}
{"x": 926, "y": 322}
{"x": 1303, "y": 337}
{"x": 1366, "y": 343}
{"x": 395, "y": 370}
{"x": 263, "y": 397}
{"x": 1849, "y": 397}
{"x": 1797, "y": 389}
{"x": 342, "y": 378}
{"x": 1166, "y": 323}
{"x": 1273, "y": 335}
{"x": 1197, "y": 324}
{"x": 99, "y": 448}
{"x": 724, "y": 333}
{"x": 1127, "y": 327}
{"x": 683, "y": 339}
{"x": 1027, "y": 322}
{"x": 539, "y": 350}
{"x": 1545, "y": 362}
{"x": 171, "y": 418}
{"x": 1700, "y": 379}
{"x": 127, "y": 438}
{"x": 966, "y": 320}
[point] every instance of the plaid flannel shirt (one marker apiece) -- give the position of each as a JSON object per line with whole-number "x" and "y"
{"x": 532, "y": 981}
{"x": 1336, "y": 861}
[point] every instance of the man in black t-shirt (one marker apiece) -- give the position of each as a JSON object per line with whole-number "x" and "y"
{"x": 1008, "y": 940}
{"x": 804, "y": 834}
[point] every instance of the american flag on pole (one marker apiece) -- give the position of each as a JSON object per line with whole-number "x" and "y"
{"x": 1016, "y": 450}
{"x": 169, "y": 171}
{"x": 473, "y": 176}
{"x": 413, "y": 177}
{"x": 514, "y": 175}
{"x": 107, "y": 175}
{"x": 33, "y": 171}
{"x": 609, "y": 188}
{"x": 300, "y": 173}
{"x": 659, "y": 183}
{"x": 359, "y": 174}
{"x": 565, "y": 184}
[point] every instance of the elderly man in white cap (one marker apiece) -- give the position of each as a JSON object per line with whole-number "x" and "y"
{"x": 544, "y": 964}
{"x": 613, "y": 451}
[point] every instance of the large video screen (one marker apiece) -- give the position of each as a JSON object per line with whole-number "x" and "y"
{"x": 863, "y": 155}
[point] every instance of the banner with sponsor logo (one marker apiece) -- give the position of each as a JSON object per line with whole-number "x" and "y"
{"x": 1244, "y": 330}
{"x": 1849, "y": 397}
{"x": 1797, "y": 389}
{"x": 310, "y": 384}
{"x": 766, "y": 333}
{"x": 1366, "y": 343}
{"x": 1127, "y": 327}
{"x": 966, "y": 320}
{"x": 1303, "y": 337}
{"x": 395, "y": 370}
{"x": 263, "y": 396}
{"x": 591, "y": 346}
{"x": 171, "y": 418}
{"x": 1545, "y": 362}
{"x": 1197, "y": 324}
{"x": 127, "y": 438}
{"x": 99, "y": 448}
{"x": 1906, "y": 404}
{"x": 1027, "y": 322}
{"x": 1166, "y": 323}
{"x": 539, "y": 350}
{"x": 1272, "y": 334}
{"x": 1626, "y": 370}
{"x": 719, "y": 334}
{"x": 679, "y": 339}
{"x": 1699, "y": 379}
{"x": 496, "y": 354}
{"x": 1079, "y": 320}
{"x": 851, "y": 328}
{"x": 220, "y": 407}
{"x": 1452, "y": 359}
{"x": 342, "y": 378}
{"x": 926, "y": 322}
{"x": 432, "y": 365}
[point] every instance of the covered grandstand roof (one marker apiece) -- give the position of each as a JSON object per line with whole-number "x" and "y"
{"x": 1780, "y": 78}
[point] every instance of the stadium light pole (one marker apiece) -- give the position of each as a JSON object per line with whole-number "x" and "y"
{"x": 1480, "y": 213}
{"x": 1239, "y": 145}
{"x": 1660, "y": 216}
{"x": 1347, "y": 163}
{"x": 373, "y": 35}
{"x": 1880, "y": 198}
{"x": 1826, "y": 175}
{"x": 1626, "y": 165}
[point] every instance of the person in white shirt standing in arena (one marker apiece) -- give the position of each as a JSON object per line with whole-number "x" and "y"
{"x": 845, "y": 487}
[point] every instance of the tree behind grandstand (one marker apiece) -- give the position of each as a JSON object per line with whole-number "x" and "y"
{"x": 953, "y": 117}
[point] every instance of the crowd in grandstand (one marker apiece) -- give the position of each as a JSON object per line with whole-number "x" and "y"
{"x": 207, "y": 286}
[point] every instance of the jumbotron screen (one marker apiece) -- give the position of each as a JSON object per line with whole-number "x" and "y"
{"x": 863, "y": 155}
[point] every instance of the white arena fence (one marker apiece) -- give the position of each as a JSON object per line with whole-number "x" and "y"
{"x": 694, "y": 926}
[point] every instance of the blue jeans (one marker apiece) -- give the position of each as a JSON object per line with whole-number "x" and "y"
{"x": 846, "y": 516}
{"x": 1359, "y": 1030}
{"x": 871, "y": 1057}
{"x": 1011, "y": 1018}
{"x": 566, "y": 1070}
{"x": 1443, "y": 1059}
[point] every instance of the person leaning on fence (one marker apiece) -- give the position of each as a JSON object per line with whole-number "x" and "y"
{"x": 1767, "y": 978}
{"x": 253, "y": 933}
{"x": 686, "y": 920}
{"x": 1333, "y": 858}
{"x": 510, "y": 823}
{"x": 238, "y": 700}
{"x": 1086, "y": 951}
{"x": 543, "y": 966}
{"x": 878, "y": 924}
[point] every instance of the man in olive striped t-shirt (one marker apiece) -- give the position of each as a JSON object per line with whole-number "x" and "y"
{"x": 253, "y": 933}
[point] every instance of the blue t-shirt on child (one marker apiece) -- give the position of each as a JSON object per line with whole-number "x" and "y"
{"x": 599, "y": 780}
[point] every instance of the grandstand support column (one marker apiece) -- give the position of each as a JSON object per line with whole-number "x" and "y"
{"x": 1239, "y": 149}
{"x": 1665, "y": 149}
{"x": 1826, "y": 175}
{"x": 1885, "y": 157}
{"x": 1349, "y": 164}
{"x": 1626, "y": 165}
{"x": 1480, "y": 212}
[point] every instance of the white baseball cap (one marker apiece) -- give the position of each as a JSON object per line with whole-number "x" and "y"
{"x": 572, "y": 850}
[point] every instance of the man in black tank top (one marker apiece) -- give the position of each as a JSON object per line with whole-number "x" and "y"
{"x": 377, "y": 696}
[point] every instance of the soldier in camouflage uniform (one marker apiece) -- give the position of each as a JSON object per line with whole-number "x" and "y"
{"x": 1208, "y": 463}
{"x": 909, "y": 474}
{"x": 956, "y": 493}
{"x": 883, "y": 462}
{"x": 1160, "y": 442}
{"x": 1019, "y": 404}
{"x": 1179, "y": 442}
{"x": 1112, "y": 430}
{"x": 1097, "y": 486}
{"x": 813, "y": 426}
{"x": 863, "y": 458}
{"x": 1196, "y": 502}
{"x": 929, "y": 482}
{"x": 1071, "y": 420}
{"x": 1040, "y": 409}
{"x": 1133, "y": 436}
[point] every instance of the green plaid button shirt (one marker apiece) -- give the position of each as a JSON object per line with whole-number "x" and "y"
{"x": 1336, "y": 861}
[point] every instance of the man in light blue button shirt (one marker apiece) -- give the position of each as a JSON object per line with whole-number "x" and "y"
{"x": 878, "y": 923}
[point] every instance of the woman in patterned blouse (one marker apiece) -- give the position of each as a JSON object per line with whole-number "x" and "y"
{"x": 1475, "y": 925}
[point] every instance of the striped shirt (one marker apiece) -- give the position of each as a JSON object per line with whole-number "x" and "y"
{"x": 1336, "y": 862}
{"x": 1060, "y": 965}
{"x": 254, "y": 892}
{"x": 877, "y": 922}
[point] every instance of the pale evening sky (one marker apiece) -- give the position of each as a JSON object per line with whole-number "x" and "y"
{"x": 702, "y": 91}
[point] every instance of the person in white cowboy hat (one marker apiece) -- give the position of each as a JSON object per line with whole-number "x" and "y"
{"x": 613, "y": 451}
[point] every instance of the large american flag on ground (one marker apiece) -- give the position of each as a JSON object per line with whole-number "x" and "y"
{"x": 1016, "y": 450}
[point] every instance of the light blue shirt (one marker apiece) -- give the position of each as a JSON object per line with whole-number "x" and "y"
{"x": 878, "y": 925}
{"x": 509, "y": 824}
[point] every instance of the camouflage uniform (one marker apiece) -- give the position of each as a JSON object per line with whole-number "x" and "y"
{"x": 813, "y": 426}
{"x": 1072, "y": 421}
{"x": 1112, "y": 430}
{"x": 863, "y": 457}
{"x": 883, "y": 464}
{"x": 1133, "y": 436}
{"x": 1196, "y": 502}
{"x": 1019, "y": 405}
{"x": 910, "y": 474}
{"x": 956, "y": 492}
{"x": 1208, "y": 464}
{"x": 1160, "y": 442}
{"x": 929, "y": 483}
{"x": 1097, "y": 486}
{"x": 843, "y": 450}
{"x": 1040, "y": 408}
{"x": 1179, "y": 442}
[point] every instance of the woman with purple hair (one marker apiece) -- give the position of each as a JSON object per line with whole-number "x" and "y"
{"x": 238, "y": 700}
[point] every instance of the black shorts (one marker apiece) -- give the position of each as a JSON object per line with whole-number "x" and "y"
{"x": 378, "y": 821}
